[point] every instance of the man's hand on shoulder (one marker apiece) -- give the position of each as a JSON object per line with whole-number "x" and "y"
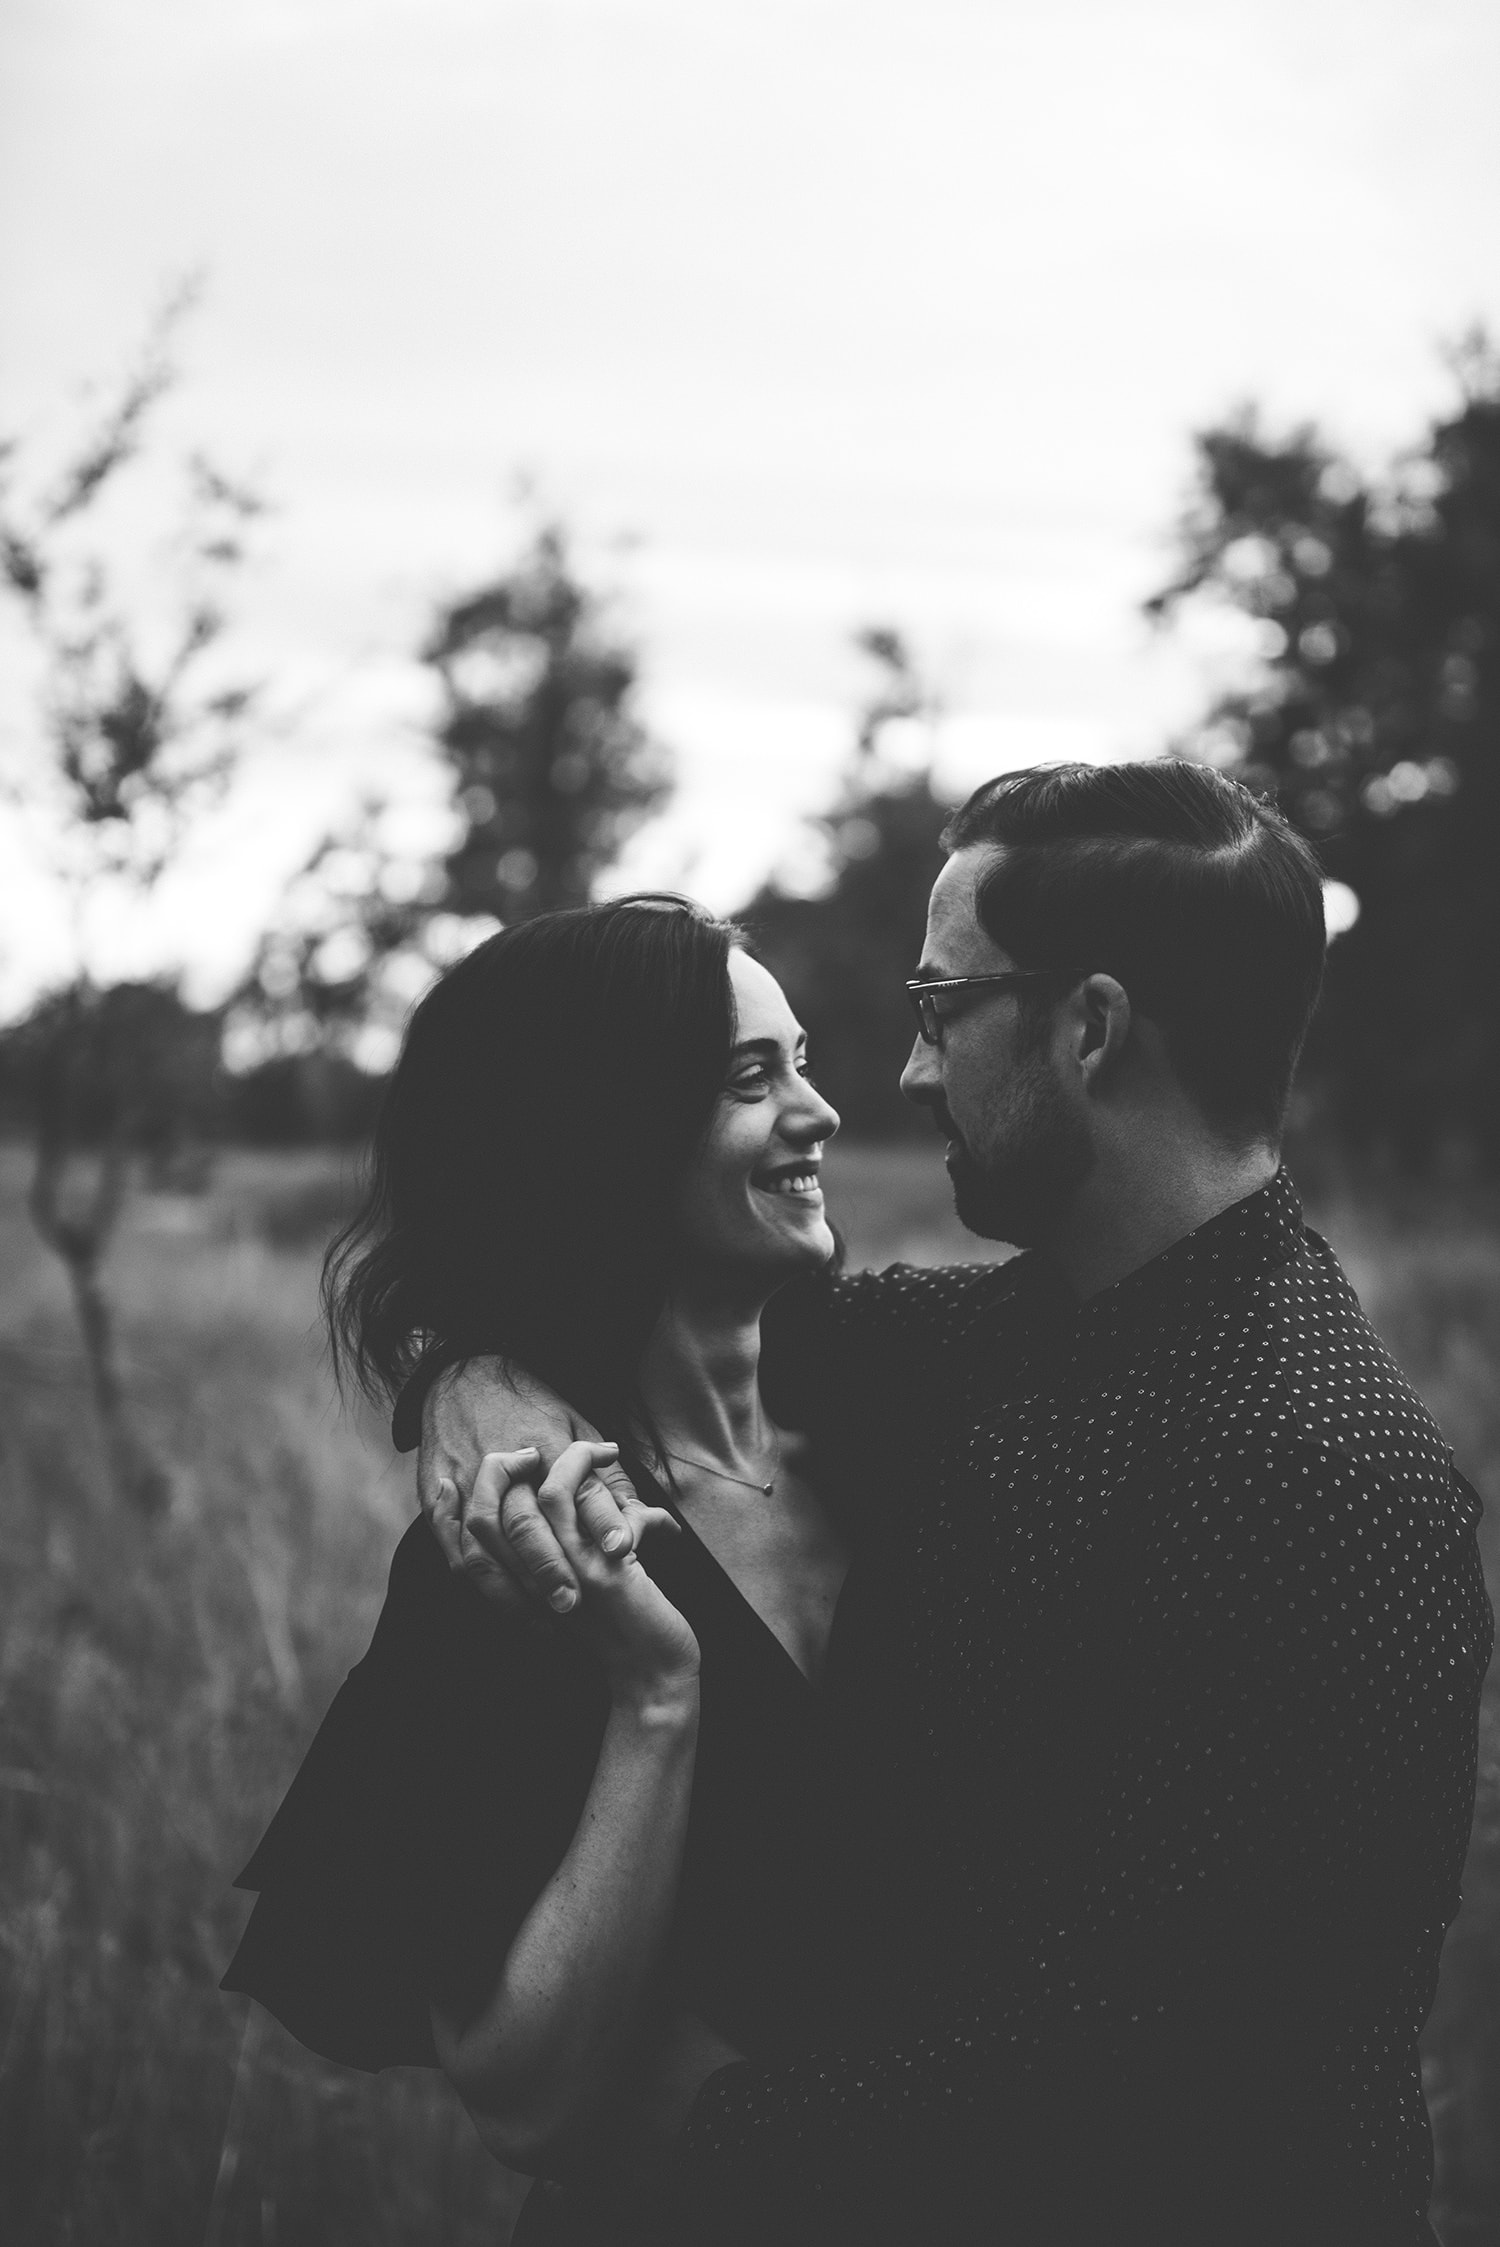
{"x": 486, "y": 1405}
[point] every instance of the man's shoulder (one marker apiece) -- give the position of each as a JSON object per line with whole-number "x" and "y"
{"x": 939, "y": 1302}
{"x": 1307, "y": 1368}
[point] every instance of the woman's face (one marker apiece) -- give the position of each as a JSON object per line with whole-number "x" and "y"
{"x": 752, "y": 1202}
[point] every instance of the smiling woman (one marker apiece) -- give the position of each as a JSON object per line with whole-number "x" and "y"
{"x": 752, "y": 1200}
{"x": 575, "y": 1858}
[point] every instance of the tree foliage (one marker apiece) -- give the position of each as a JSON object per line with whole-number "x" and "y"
{"x": 137, "y": 727}
{"x": 552, "y": 769}
{"x": 844, "y": 954}
{"x": 1373, "y": 714}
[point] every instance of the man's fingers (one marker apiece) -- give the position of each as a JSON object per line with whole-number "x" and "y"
{"x": 506, "y": 1524}
{"x": 497, "y": 1471}
{"x": 609, "y": 1511}
{"x": 531, "y": 1538}
{"x": 572, "y": 1468}
{"x": 578, "y": 1502}
{"x": 443, "y": 1520}
{"x": 617, "y": 1525}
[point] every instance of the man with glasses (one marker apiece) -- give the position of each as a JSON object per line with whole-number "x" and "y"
{"x": 1173, "y": 1620}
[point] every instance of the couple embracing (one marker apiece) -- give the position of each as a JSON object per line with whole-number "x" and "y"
{"x": 979, "y": 1755}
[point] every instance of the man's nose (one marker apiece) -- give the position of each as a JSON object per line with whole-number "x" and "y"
{"x": 922, "y": 1078}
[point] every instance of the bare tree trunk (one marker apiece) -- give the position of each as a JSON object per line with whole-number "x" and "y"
{"x": 137, "y": 1477}
{"x": 79, "y": 1236}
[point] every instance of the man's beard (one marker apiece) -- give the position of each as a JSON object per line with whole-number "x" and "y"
{"x": 1022, "y": 1192}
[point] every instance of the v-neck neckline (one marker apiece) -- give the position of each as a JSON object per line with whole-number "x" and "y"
{"x": 638, "y": 1474}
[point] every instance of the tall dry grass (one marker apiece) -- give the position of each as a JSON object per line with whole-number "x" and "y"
{"x": 1428, "y": 1273}
{"x": 157, "y": 1687}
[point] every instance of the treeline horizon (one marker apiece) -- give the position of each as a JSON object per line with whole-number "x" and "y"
{"x": 1369, "y": 711}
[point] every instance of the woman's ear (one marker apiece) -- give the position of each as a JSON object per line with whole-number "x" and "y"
{"x": 1102, "y": 1027}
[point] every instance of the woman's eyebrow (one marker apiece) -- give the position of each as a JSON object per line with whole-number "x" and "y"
{"x": 755, "y": 1045}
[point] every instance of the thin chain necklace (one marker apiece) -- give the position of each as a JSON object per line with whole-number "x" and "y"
{"x": 765, "y": 1488}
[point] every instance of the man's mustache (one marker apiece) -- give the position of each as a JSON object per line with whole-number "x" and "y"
{"x": 946, "y": 1125}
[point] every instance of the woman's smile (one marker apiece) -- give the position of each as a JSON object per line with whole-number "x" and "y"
{"x": 793, "y": 1180}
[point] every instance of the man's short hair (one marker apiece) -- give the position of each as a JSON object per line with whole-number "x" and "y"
{"x": 1194, "y": 895}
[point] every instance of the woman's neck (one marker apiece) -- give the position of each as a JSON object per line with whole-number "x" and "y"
{"x": 699, "y": 1380}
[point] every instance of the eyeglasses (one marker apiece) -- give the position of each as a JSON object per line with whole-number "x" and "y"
{"x": 923, "y": 996}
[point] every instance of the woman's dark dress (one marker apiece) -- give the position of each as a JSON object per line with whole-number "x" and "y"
{"x": 446, "y": 1783}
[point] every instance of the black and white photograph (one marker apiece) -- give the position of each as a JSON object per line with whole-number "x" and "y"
{"x": 749, "y": 1123}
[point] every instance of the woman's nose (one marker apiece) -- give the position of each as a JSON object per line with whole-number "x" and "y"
{"x": 815, "y": 1117}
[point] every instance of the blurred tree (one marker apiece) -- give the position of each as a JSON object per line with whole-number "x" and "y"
{"x": 136, "y": 1046}
{"x": 315, "y": 1099}
{"x": 551, "y": 772}
{"x": 1374, "y": 716}
{"x": 138, "y": 727}
{"x": 358, "y": 937}
{"x": 844, "y": 954}
{"x": 552, "y": 769}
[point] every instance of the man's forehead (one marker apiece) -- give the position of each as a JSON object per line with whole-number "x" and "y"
{"x": 957, "y": 944}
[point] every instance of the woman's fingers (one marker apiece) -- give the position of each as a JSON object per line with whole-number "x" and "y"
{"x": 508, "y": 1535}
{"x": 468, "y": 1543}
{"x": 578, "y": 1502}
{"x": 646, "y": 1518}
{"x": 572, "y": 1468}
{"x": 479, "y": 1513}
{"x": 557, "y": 1502}
{"x": 485, "y": 1552}
{"x": 535, "y": 1542}
{"x": 614, "y": 1519}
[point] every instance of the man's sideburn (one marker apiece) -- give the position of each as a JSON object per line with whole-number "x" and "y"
{"x": 1043, "y": 1155}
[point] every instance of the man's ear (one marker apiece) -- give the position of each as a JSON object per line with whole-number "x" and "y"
{"x": 1101, "y": 1027}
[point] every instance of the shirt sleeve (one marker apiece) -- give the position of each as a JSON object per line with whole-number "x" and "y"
{"x": 423, "y": 1823}
{"x": 1270, "y": 1822}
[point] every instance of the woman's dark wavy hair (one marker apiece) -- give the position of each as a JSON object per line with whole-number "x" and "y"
{"x": 1193, "y": 894}
{"x": 551, "y": 1091}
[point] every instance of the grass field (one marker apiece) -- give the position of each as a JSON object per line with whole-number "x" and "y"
{"x": 158, "y": 1685}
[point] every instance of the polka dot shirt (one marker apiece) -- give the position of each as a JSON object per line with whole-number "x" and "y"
{"x": 1166, "y": 1637}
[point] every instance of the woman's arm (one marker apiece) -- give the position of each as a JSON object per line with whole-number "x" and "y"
{"x": 537, "y": 2056}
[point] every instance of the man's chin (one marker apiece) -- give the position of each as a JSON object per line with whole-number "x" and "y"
{"x": 978, "y": 1208}
{"x": 1023, "y": 1209}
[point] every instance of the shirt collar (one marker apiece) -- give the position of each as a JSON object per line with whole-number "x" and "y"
{"x": 1176, "y": 1291}
{"x": 1187, "y": 1281}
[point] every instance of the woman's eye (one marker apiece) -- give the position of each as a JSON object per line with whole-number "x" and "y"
{"x": 750, "y": 1080}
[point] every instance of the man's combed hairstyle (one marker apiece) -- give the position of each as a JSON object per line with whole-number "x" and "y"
{"x": 551, "y": 1091}
{"x": 1195, "y": 896}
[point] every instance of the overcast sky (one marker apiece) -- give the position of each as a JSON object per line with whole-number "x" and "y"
{"x": 806, "y": 313}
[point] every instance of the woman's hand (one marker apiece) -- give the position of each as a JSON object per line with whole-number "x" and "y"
{"x": 485, "y": 1405}
{"x": 645, "y": 1646}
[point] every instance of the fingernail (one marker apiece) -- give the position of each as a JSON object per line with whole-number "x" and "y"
{"x": 562, "y": 1599}
{"x": 615, "y": 1539}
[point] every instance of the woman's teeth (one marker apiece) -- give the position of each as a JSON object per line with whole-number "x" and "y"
{"x": 800, "y": 1182}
